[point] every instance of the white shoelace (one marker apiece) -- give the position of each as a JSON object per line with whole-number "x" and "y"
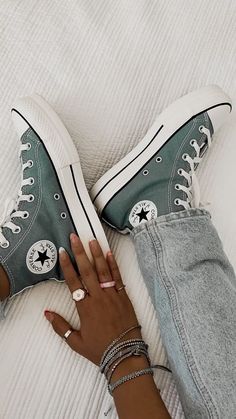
{"x": 11, "y": 205}
{"x": 192, "y": 190}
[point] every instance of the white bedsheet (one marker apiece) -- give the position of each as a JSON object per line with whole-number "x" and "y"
{"x": 108, "y": 68}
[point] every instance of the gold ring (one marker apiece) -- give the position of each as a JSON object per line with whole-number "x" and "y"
{"x": 67, "y": 334}
{"x": 121, "y": 288}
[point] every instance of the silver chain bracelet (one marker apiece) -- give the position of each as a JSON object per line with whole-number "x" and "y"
{"x": 135, "y": 374}
{"x": 138, "y": 326}
{"x": 118, "y": 348}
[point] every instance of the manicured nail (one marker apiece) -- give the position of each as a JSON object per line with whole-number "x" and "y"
{"x": 109, "y": 253}
{"x": 74, "y": 239}
{"x": 62, "y": 253}
{"x": 93, "y": 242}
{"x": 49, "y": 315}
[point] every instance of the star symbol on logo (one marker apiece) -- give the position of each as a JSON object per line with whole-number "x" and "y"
{"x": 42, "y": 257}
{"x": 142, "y": 215}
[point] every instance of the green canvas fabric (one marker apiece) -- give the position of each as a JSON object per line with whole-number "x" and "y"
{"x": 155, "y": 182}
{"x": 32, "y": 255}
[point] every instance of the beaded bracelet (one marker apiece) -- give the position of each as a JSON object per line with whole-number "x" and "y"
{"x": 117, "y": 352}
{"x": 128, "y": 350}
{"x": 118, "y": 348}
{"x": 125, "y": 356}
{"x": 131, "y": 350}
{"x": 118, "y": 339}
{"x": 135, "y": 374}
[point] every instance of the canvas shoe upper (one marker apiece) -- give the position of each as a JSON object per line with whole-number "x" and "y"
{"x": 52, "y": 201}
{"x": 158, "y": 177}
{"x": 37, "y": 223}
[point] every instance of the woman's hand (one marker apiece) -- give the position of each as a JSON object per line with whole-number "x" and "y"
{"x": 104, "y": 313}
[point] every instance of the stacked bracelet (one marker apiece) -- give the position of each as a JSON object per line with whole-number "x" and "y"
{"x": 122, "y": 358}
{"x": 119, "y": 351}
{"x": 122, "y": 380}
{"x": 123, "y": 334}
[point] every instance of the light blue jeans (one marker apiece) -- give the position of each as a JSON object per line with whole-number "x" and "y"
{"x": 193, "y": 289}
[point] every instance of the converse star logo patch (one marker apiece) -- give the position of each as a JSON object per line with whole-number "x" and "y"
{"x": 41, "y": 257}
{"x": 141, "y": 212}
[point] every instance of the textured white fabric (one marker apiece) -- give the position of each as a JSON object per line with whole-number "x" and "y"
{"x": 108, "y": 68}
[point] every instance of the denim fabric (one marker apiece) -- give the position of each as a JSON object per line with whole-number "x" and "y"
{"x": 193, "y": 288}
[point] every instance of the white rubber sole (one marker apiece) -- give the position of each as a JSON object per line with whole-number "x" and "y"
{"x": 35, "y": 112}
{"x": 208, "y": 98}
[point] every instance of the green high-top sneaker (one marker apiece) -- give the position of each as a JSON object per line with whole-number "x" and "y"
{"x": 158, "y": 176}
{"x": 52, "y": 202}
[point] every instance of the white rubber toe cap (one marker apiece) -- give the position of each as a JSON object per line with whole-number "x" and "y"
{"x": 218, "y": 115}
{"x": 20, "y": 124}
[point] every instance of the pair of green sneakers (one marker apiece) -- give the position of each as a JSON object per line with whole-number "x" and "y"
{"x": 157, "y": 177}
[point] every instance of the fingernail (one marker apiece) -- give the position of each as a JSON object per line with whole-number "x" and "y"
{"x": 109, "y": 253}
{"x": 62, "y": 253}
{"x": 93, "y": 242}
{"x": 74, "y": 239}
{"x": 49, "y": 315}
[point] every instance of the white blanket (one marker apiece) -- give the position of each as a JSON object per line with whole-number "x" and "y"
{"x": 108, "y": 68}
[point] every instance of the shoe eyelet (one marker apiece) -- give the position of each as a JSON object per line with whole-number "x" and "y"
{"x": 158, "y": 159}
{"x": 177, "y": 187}
{"x": 63, "y": 215}
{"x": 17, "y": 230}
{"x": 31, "y": 179}
{"x": 5, "y": 245}
{"x": 176, "y": 201}
{"x": 192, "y": 142}
{"x": 28, "y": 146}
{"x": 26, "y": 214}
{"x": 30, "y": 163}
{"x": 145, "y": 172}
{"x": 185, "y": 156}
{"x": 201, "y": 128}
{"x": 180, "y": 172}
{"x": 31, "y": 198}
{"x": 56, "y": 196}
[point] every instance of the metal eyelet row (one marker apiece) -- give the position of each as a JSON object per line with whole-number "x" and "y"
{"x": 57, "y": 197}
{"x": 17, "y": 230}
{"x": 158, "y": 159}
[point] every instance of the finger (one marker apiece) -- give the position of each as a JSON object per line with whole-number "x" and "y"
{"x": 60, "y": 326}
{"x": 87, "y": 272}
{"x": 102, "y": 268}
{"x": 72, "y": 279}
{"x": 115, "y": 272}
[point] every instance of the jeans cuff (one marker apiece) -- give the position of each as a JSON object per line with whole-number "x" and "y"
{"x": 173, "y": 216}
